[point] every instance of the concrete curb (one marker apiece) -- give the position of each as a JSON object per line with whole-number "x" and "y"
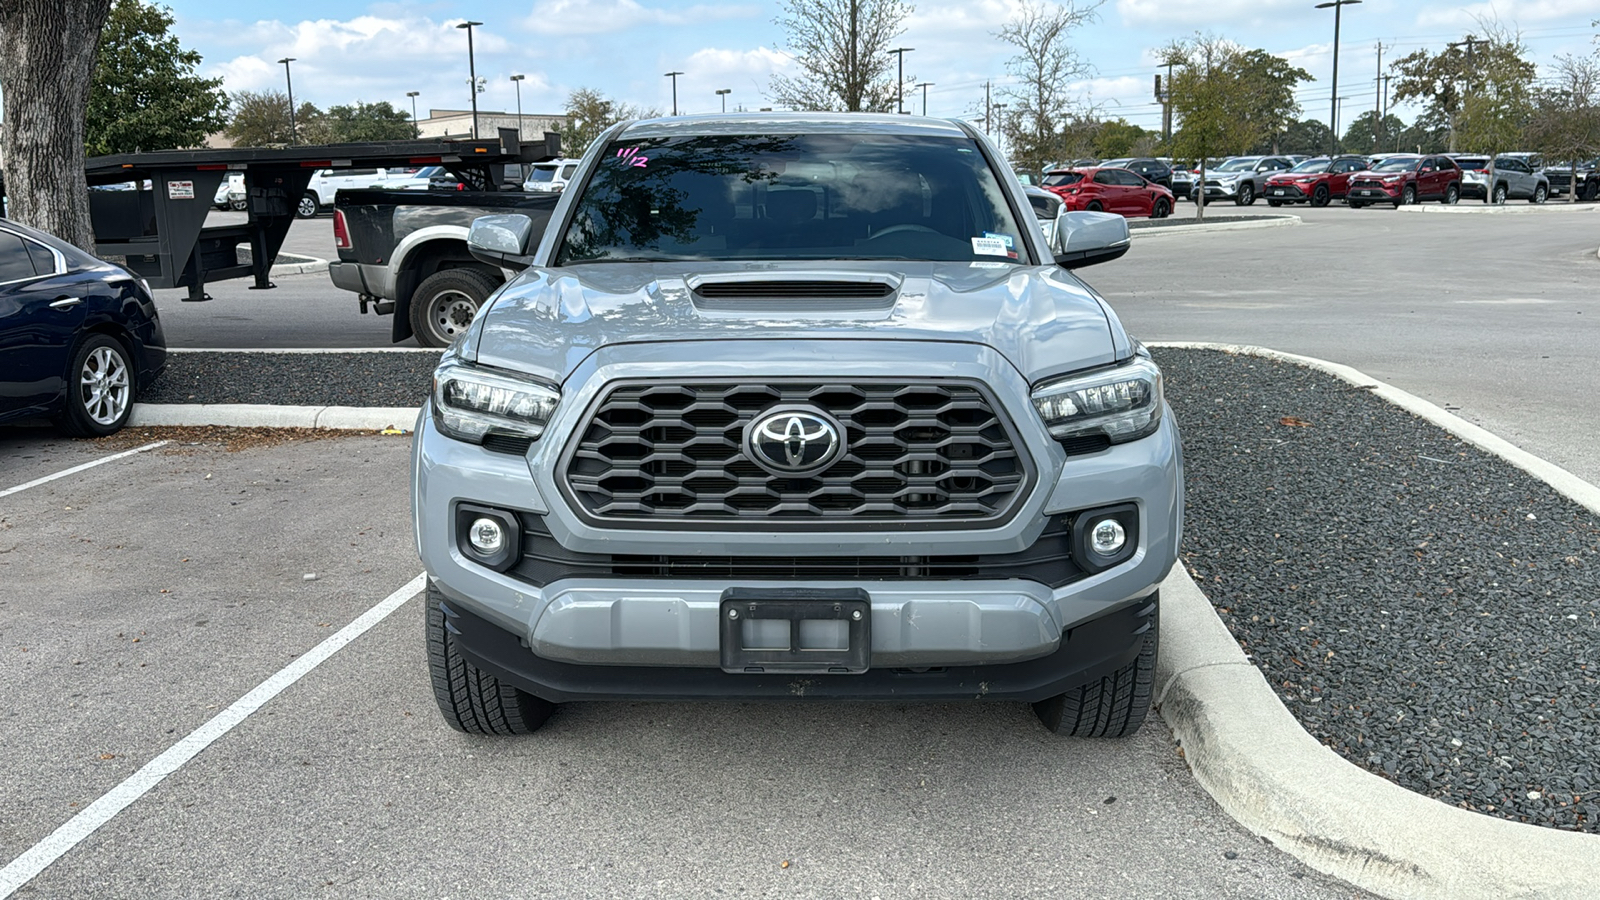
{"x": 1274, "y": 222}
{"x": 1570, "y": 485}
{"x": 257, "y": 415}
{"x": 1265, "y": 771}
{"x": 1272, "y": 777}
{"x": 305, "y": 268}
{"x": 1476, "y": 208}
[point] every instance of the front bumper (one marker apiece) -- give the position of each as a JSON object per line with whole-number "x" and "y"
{"x": 1285, "y": 193}
{"x": 1225, "y": 190}
{"x": 582, "y": 635}
{"x": 1375, "y": 194}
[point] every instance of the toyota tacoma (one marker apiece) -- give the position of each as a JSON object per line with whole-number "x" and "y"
{"x": 795, "y": 407}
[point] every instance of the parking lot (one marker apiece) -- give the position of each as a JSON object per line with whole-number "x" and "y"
{"x": 149, "y": 593}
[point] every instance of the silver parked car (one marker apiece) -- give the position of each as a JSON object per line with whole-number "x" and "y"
{"x": 1515, "y": 179}
{"x": 1241, "y": 178}
{"x": 796, "y": 407}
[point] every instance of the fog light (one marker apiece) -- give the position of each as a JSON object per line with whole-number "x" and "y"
{"x": 1107, "y": 537}
{"x": 487, "y": 537}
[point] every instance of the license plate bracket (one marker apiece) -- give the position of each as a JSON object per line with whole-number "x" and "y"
{"x": 792, "y": 606}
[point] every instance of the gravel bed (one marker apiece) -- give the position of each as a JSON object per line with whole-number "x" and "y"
{"x": 295, "y": 379}
{"x": 1211, "y": 219}
{"x": 1425, "y": 609}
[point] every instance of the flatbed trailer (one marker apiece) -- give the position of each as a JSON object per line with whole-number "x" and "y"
{"x": 158, "y": 226}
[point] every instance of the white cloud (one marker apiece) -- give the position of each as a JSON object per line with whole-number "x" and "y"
{"x": 1205, "y": 13}
{"x": 566, "y": 17}
{"x": 1522, "y": 12}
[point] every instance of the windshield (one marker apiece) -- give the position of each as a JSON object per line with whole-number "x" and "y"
{"x": 1313, "y": 165}
{"x": 1401, "y": 164}
{"x": 813, "y": 196}
{"x": 1242, "y": 164}
{"x": 1057, "y": 179}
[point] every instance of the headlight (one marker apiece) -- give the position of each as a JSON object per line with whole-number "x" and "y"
{"x": 1394, "y": 178}
{"x": 1123, "y": 403}
{"x": 470, "y": 402}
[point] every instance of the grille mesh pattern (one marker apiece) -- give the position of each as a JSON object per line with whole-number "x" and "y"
{"x": 932, "y": 452}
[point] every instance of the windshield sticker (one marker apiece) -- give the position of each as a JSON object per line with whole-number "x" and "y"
{"x": 1005, "y": 238}
{"x": 988, "y": 246}
{"x": 630, "y": 157}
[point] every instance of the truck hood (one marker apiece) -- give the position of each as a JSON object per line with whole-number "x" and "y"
{"x": 1044, "y": 321}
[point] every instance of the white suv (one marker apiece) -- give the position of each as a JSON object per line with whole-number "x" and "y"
{"x": 550, "y": 177}
{"x": 327, "y": 182}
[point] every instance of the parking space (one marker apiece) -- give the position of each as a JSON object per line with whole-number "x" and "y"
{"x": 149, "y": 594}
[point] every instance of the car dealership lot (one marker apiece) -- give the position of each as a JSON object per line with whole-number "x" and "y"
{"x": 176, "y": 583}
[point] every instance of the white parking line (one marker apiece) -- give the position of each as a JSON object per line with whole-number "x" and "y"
{"x": 25, "y": 867}
{"x": 76, "y": 469}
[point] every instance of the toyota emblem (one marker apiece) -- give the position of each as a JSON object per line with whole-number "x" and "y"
{"x": 794, "y": 441}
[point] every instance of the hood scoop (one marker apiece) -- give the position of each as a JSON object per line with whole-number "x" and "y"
{"x": 795, "y": 295}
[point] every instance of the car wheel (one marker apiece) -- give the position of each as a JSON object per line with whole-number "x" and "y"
{"x": 1499, "y": 194}
{"x": 1355, "y": 205}
{"x": 1319, "y": 197}
{"x": 446, "y": 302}
{"x": 1407, "y": 197}
{"x": 309, "y": 206}
{"x": 100, "y": 389}
{"x": 1451, "y": 195}
{"x": 1094, "y": 206}
{"x": 1113, "y": 706}
{"x": 1590, "y": 191}
{"x": 1274, "y": 203}
{"x": 239, "y": 205}
{"x": 1246, "y": 195}
{"x": 1539, "y": 194}
{"x": 472, "y": 700}
{"x": 1162, "y": 209}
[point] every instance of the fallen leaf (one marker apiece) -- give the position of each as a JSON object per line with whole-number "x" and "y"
{"x": 1294, "y": 422}
{"x": 108, "y": 756}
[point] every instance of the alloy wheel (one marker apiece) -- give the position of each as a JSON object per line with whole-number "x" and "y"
{"x": 104, "y": 386}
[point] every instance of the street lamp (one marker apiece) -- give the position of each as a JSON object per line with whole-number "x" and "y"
{"x": 415, "y": 131}
{"x": 517, "y": 80}
{"x": 294, "y": 138}
{"x": 674, "y": 77}
{"x": 1000, "y": 131}
{"x": 724, "y": 95}
{"x": 925, "y": 85}
{"x": 472, "y": 73}
{"x": 900, "y": 85}
{"x": 1333, "y": 102}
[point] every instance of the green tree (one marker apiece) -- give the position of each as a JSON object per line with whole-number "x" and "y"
{"x": 146, "y": 95}
{"x": 1118, "y": 137}
{"x": 260, "y": 119}
{"x": 1308, "y": 136}
{"x": 1565, "y": 125}
{"x": 590, "y": 113}
{"x": 368, "y": 122}
{"x": 1212, "y": 102}
{"x": 1480, "y": 88}
{"x": 842, "y": 50}
{"x": 1266, "y": 84}
{"x": 1367, "y": 135}
{"x": 1045, "y": 65}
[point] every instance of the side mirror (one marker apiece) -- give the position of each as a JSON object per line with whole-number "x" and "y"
{"x": 501, "y": 240}
{"x": 1087, "y": 238}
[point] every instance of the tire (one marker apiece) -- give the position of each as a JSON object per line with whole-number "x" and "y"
{"x": 1114, "y": 706}
{"x": 1500, "y": 193}
{"x": 1452, "y": 195}
{"x": 1356, "y": 204}
{"x": 1590, "y": 191}
{"x": 1246, "y": 195}
{"x": 239, "y": 205}
{"x": 309, "y": 206}
{"x": 1408, "y": 197}
{"x": 100, "y": 388}
{"x": 1162, "y": 209}
{"x": 1094, "y": 206}
{"x": 1274, "y": 203}
{"x": 1319, "y": 197}
{"x": 1540, "y": 193}
{"x": 446, "y": 302}
{"x": 471, "y": 700}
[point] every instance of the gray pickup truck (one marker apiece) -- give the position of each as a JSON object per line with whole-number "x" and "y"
{"x": 796, "y": 407}
{"x": 404, "y": 253}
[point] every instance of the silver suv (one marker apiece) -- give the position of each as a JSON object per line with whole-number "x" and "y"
{"x": 796, "y": 406}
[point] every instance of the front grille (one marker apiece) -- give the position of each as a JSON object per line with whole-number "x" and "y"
{"x": 794, "y": 290}
{"x": 929, "y": 454}
{"x": 1048, "y": 561}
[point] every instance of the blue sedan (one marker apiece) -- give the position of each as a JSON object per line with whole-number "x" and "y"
{"x": 79, "y": 337}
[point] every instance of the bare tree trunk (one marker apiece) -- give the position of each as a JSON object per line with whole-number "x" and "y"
{"x": 47, "y": 53}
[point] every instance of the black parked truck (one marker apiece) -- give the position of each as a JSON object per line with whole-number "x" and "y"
{"x": 405, "y": 253}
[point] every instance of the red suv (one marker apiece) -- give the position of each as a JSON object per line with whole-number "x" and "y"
{"x": 1315, "y": 181}
{"x": 1111, "y": 190}
{"x": 1403, "y": 180}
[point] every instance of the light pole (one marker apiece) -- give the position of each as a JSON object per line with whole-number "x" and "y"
{"x": 724, "y": 95}
{"x": 517, "y": 80}
{"x": 1000, "y": 134}
{"x": 674, "y": 77}
{"x": 294, "y": 138}
{"x": 900, "y": 83}
{"x": 1333, "y": 108}
{"x": 415, "y": 131}
{"x": 472, "y": 73}
{"x": 925, "y": 85}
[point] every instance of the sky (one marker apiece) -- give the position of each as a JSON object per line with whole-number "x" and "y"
{"x": 347, "y": 50}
